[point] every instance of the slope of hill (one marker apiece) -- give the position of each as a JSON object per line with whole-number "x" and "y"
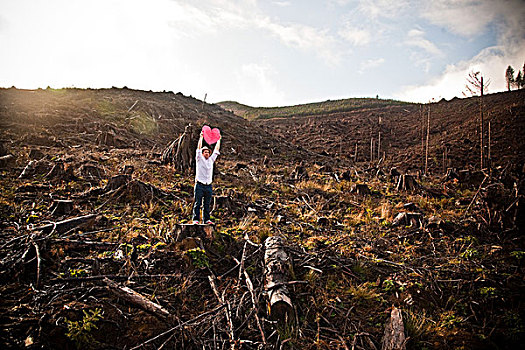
{"x": 398, "y": 132}
{"x": 95, "y": 253}
{"x": 310, "y": 109}
{"x": 137, "y": 119}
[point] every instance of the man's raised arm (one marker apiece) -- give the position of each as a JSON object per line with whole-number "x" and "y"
{"x": 199, "y": 145}
{"x": 216, "y": 150}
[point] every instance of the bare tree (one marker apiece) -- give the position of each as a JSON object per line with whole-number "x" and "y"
{"x": 476, "y": 86}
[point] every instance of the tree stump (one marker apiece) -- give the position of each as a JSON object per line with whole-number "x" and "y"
{"x": 7, "y": 160}
{"x": 36, "y": 154}
{"x": 91, "y": 172}
{"x": 3, "y": 148}
{"x": 394, "y": 336}
{"x": 300, "y": 173}
{"x": 127, "y": 169}
{"x": 183, "y": 231}
{"x": 407, "y": 183}
{"x": 409, "y": 219}
{"x": 57, "y": 172}
{"x": 180, "y": 151}
{"x": 276, "y": 270}
{"x": 361, "y": 190}
{"x": 222, "y": 202}
{"x": 117, "y": 182}
{"x": 61, "y": 207}
{"x": 34, "y": 167}
{"x": 323, "y": 221}
{"x": 106, "y": 138}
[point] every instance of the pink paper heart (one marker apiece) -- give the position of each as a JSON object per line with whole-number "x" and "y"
{"x": 211, "y": 135}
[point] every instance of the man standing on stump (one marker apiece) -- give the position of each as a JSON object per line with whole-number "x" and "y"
{"x": 203, "y": 179}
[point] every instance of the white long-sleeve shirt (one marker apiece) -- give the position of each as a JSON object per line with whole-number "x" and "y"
{"x": 204, "y": 171}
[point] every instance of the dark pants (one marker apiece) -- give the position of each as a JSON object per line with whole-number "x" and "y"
{"x": 202, "y": 192}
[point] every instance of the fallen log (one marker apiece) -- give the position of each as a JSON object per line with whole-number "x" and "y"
{"x": 394, "y": 336}
{"x": 66, "y": 225}
{"x": 136, "y": 298}
{"x": 277, "y": 265}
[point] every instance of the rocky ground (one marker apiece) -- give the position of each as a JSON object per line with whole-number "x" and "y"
{"x": 88, "y": 210}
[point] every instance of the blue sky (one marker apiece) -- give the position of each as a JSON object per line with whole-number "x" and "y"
{"x": 263, "y": 53}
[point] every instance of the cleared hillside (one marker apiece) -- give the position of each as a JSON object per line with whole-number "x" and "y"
{"x": 401, "y": 128}
{"x": 89, "y": 216}
{"x": 310, "y": 109}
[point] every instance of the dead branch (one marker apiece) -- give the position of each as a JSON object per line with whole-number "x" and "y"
{"x": 66, "y": 225}
{"x": 227, "y": 311}
{"x": 136, "y": 298}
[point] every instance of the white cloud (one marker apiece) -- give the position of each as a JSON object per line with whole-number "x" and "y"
{"x": 192, "y": 20}
{"x": 305, "y": 38}
{"x": 256, "y": 87}
{"x": 356, "y": 36}
{"x": 281, "y": 3}
{"x": 216, "y": 15}
{"x": 371, "y": 63}
{"x": 382, "y": 8}
{"x": 416, "y": 38}
{"x": 463, "y": 17}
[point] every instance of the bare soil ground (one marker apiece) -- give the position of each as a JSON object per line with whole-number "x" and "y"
{"x": 448, "y": 252}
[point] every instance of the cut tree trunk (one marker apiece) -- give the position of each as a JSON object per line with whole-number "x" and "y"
{"x": 277, "y": 266}
{"x": 394, "y": 337}
{"x": 136, "y": 298}
{"x": 407, "y": 183}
